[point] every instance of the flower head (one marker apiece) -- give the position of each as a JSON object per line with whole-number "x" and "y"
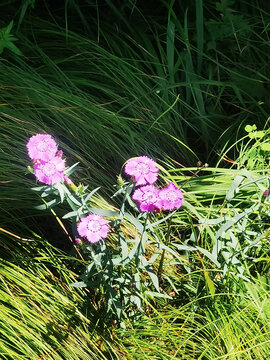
{"x": 41, "y": 147}
{"x": 143, "y": 169}
{"x": 147, "y": 197}
{"x": 78, "y": 241}
{"x": 170, "y": 197}
{"x": 50, "y": 172}
{"x": 93, "y": 227}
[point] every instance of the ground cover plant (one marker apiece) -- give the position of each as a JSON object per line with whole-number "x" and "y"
{"x": 122, "y": 272}
{"x": 186, "y": 84}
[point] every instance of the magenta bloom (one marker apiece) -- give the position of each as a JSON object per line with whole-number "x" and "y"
{"x": 147, "y": 197}
{"x": 142, "y": 169}
{"x": 50, "y": 172}
{"x": 41, "y": 147}
{"x": 170, "y": 197}
{"x": 78, "y": 241}
{"x": 93, "y": 227}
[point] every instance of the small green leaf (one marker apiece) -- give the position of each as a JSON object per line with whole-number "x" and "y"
{"x": 154, "y": 294}
{"x": 265, "y": 146}
{"x": 234, "y": 189}
{"x": 88, "y": 197}
{"x": 135, "y": 222}
{"x": 42, "y": 188}
{"x": 7, "y": 39}
{"x": 136, "y": 300}
{"x": 256, "y": 134}
{"x": 209, "y": 283}
{"x": 61, "y": 190}
{"x": 103, "y": 212}
{"x": 48, "y": 192}
{"x": 79, "y": 284}
{"x": 250, "y": 128}
{"x": 13, "y": 48}
{"x": 73, "y": 200}
{"x": 71, "y": 169}
{"x": 70, "y": 214}
{"x": 150, "y": 226}
{"x": 48, "y": 205}
{"x": 151, "y": 273}
{"x": 124, "y": 245}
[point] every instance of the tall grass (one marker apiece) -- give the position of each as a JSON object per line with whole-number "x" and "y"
{"x": 239, "y": 330}
{"x": 41, "y": 317}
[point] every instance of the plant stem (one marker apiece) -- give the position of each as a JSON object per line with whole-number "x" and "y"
{"x": 167, "y": 237}
{"x": 141, "y": 249}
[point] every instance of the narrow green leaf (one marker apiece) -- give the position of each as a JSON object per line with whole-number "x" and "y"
{"x": 150, "y": 226}
{"x": 61, "y": 190}
{"x": 209, "y": 282}
{"x": 210, "y": 256}
{"x": 88, "y": 197}
{"x": 71, "y": 169}
{"x": 70, "y": 214}
{"x": 48, "y": 205}
{"x": 79, "y": 284}
{"x": 134, "y": 222}
{"x": 154, "y": 294}
{"x": 103, "y": 212}
{"x": 73, "y": 199}
{"x": 123, "y": 244}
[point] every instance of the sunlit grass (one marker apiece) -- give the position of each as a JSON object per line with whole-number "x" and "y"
{"x": 234, "y": 327}
{"x": 41, "y": 316}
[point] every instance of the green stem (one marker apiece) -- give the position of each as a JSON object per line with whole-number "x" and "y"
{"x": 141, "y": 249}
{"x": 167, "y": 238}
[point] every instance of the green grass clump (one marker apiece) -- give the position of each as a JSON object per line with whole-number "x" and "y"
{"x": 234, "y": 327}
{"x": 41, "y": 315}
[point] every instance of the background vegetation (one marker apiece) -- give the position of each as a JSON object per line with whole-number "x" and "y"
{"x": 175, "y": 80}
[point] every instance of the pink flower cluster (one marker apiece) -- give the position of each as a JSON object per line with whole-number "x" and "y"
{"x": 149, "y": 197}
{"x": 49, "y": 168}
{"x": 48, "y": 165}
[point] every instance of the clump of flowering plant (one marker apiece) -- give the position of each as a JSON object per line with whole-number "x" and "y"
{"x": 120, "y": 267}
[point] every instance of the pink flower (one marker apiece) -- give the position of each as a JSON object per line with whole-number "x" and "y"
{"x": 50, "y": 172}
{"x": 59, "y": 153}
{"x": 147, "y": 197}
{"x": 170, "y": 197}
{"x": 78, "y": 241}
{"x": 68, "y": 181}
{"x": 143, "y": 169}
{"x": 93, "y": 227}
{"x": 41, "y": 147}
